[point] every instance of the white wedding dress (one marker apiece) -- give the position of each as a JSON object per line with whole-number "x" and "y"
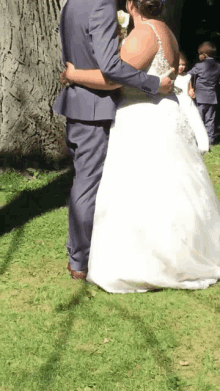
{"x": 157, "y": 218}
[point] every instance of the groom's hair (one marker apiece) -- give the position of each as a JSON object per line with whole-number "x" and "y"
{"x": 208, "y": 48}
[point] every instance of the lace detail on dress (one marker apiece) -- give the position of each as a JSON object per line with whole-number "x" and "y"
{"x": 186, "y": 131}
{"x": 160, "y": 62}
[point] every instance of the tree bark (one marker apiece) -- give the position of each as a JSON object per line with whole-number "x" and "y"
{"x": 29, "y": 80}
{"x": 172, "y": 15}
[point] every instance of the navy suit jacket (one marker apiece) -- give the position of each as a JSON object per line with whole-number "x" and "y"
{"x": 206, "y": 76}
{"x": 89, "y": 41}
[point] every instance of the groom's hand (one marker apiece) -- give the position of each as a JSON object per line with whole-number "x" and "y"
{"x": 63, "y": 79}
{"x": 167, "y": 81}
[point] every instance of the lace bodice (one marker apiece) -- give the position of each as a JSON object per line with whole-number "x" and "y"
{"x": 160, "y": 64}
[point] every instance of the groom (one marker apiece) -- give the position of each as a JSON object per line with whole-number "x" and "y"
{"x": 89, "y": 41}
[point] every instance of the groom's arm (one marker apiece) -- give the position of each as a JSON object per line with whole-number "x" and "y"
{"x": 102, "y": 29}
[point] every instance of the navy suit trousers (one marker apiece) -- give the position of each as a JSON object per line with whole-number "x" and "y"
{"x": 208, "y": 114}
{"x": 87, "y": 142}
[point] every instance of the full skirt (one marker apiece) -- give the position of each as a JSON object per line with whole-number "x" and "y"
{"x": 157, "y": 218}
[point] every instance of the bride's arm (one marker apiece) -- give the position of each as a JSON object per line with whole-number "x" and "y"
{"x": 91, "y": 78}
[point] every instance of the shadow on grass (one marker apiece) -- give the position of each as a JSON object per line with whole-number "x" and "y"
{"x": 208, "y": 297}
{"x": 36, "y": 160}
{"x": 12, "y": 249}
{"x": 217, "y": 139}
{"x": 152, "y": 343}
{"x": 48, "y": 371}
{"x": 163, "y": 360}
{"x": 30, "y": 204}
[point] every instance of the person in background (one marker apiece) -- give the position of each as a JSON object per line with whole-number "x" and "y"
{"x": 183, "y": 64}
{"x": 182, "y": 71}
{"x": 207, "y": 76}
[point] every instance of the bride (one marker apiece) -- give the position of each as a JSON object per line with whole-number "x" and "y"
{"x": 157, "y": 218}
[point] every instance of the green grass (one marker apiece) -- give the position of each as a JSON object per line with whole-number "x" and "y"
{"x": 60, "y": 334}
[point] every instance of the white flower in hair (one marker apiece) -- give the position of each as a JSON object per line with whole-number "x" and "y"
{"x": 123, "y": 18}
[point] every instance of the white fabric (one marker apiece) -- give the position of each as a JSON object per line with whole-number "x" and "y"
{"x": 157, "y": 218}
{"x": 192, "y": 113}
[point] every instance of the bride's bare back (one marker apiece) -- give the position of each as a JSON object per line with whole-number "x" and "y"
{"x": 141, "y": 45}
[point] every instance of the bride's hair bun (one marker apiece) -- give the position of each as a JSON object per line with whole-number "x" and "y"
{"x": 149, "y": 8}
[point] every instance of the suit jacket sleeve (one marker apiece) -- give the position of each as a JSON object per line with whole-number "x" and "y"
{"x": 102, "y": 29}
{"x": 193, "y": 71}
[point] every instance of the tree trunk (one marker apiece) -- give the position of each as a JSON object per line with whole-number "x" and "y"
{"x": 172, "y": 15}
{"x": 29, "y": 80}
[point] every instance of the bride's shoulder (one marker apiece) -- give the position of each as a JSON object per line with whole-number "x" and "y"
{"x": 141, "y": 35}
{"x": 139, "y": 48}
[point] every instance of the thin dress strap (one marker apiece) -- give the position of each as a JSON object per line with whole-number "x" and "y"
{"x": 160, "y": 61}
{"x": 155, "y": 32}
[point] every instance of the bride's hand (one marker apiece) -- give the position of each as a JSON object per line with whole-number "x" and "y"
{"x": 67, "y": 76}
